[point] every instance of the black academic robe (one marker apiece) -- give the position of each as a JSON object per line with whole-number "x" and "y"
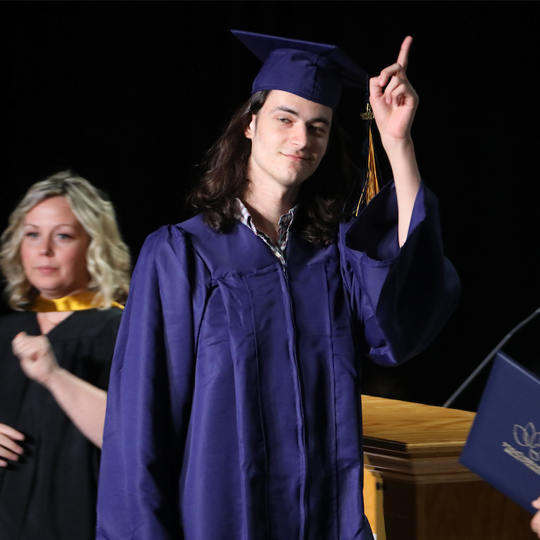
{"x": 50, "y": 493}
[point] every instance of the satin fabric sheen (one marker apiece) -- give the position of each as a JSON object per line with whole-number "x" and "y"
{"x": 234, "y": 408}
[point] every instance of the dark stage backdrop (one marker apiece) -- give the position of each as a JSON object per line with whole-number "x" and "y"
{"x": 131, "y": 94}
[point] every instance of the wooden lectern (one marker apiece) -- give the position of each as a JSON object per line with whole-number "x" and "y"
{"x": 414, "y": 487}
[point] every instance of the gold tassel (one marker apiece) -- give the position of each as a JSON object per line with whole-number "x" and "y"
{"x": 371, "y": 187}
{"x": 372, "y": 179}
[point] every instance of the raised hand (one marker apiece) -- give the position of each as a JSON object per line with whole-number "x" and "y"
{"x": 36, "y": 356}
{"x": 9, "y": 449}
{"x": 394, "y": 107}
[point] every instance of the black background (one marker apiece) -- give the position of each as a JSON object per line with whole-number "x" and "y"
{"x": 131, "y": 94}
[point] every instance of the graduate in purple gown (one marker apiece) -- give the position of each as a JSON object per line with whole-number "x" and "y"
{"x": 234, "y": 407}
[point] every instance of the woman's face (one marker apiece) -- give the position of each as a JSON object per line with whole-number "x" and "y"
{"x": 53, "y": 249}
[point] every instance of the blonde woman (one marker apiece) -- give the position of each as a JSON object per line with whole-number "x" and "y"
{"x": 67, "y": 271}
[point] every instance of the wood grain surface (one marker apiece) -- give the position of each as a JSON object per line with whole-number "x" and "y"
{"x": 414, "y": 486}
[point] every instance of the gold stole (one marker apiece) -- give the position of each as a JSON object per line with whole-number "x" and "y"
{"x": 75, "y": 302}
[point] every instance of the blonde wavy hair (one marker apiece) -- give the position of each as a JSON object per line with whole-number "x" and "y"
{"x": 107, "y": 257}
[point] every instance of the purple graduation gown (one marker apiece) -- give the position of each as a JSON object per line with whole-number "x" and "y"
{"x": 234, "y": 408}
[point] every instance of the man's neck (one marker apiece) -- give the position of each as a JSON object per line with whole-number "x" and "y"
{"x": 267, "y": 206}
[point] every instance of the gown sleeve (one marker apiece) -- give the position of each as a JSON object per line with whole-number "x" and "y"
{"x": 401, "y": 296}
{"x": 150, "y": 395}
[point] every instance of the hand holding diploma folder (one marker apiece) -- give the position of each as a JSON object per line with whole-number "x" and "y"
{"x": 535, "y": 523}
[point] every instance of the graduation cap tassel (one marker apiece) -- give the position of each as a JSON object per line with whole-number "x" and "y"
{"x": 372, "y": 180}
{"x": 370, "y": 186}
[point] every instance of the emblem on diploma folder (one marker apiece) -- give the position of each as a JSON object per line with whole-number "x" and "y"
{"x": 529, "y": 438}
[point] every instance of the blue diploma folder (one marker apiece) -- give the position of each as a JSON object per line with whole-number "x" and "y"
{"x": 503, "y": 446}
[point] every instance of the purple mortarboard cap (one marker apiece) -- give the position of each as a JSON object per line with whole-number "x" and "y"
{"x": 314, "y": 71}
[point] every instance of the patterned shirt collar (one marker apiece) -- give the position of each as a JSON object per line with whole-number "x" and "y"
{"x": 285, "y": 222}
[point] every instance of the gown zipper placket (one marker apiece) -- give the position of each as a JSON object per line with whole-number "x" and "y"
{"x": 300, "y": 406}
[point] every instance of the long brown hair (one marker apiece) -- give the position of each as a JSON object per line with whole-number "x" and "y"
{"x": 107, "y": 257}
{"x": 321, "y": 198}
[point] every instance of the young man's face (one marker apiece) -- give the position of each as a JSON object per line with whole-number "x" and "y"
{"x": 289, "y": 136}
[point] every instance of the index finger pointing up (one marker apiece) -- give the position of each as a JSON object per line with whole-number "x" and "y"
{"x": 403, "y": 57}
